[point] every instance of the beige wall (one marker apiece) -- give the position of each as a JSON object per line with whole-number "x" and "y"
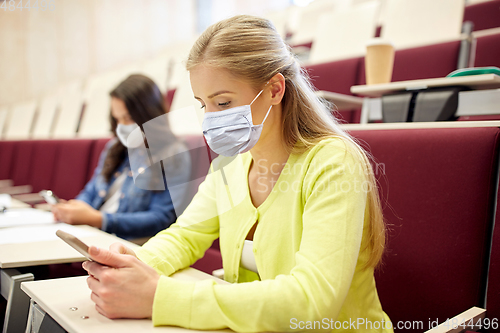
{"x": 40, "y": 50}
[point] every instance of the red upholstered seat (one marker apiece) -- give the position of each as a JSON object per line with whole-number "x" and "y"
{"x": 21, "y": 166}
{"x": 211, "y": 261}
{"x": 432, "y": 61}
{"x": 45, "y": 155}
{"x": 484, "y": 15}
{"x": 7, "y": 149}
{"x": 437, "y": 191}
{"x": 97, "y": 148}
{"x": 337, "y": 76}
{"x": 488, "y": 51}
{"x": 479, "y": 118}
{"x": 70, "y": 171}
{"x": 493, "y": 294}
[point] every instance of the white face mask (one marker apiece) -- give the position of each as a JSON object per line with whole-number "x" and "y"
{"x": 231, "y": 132}
{"x": 127, "y": 138}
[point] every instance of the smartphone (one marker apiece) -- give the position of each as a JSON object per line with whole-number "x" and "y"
{"x": 49, "y": 196}
{"x": 75, "y": 243}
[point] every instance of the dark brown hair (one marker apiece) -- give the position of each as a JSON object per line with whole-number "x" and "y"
{"x": 144, "y": 102}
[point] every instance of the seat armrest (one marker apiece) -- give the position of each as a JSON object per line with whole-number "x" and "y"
{"x": 469, "y": 320}
{"x": 30, "y": 198}
{"x": 6, "y": 183}
{"x": 341, "y": 101}
{"x": 16, "y": 189}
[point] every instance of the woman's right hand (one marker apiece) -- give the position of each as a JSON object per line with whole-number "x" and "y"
{"x": 121, "y": 249}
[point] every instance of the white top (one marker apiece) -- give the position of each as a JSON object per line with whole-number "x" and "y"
{"x": 247, "y": 257}
{"x": 112, "y": 200}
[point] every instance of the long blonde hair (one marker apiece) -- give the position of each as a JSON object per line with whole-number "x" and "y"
{"x": 251, "y": 48}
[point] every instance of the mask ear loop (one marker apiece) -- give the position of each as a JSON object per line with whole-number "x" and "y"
{"x": 258, "y": 94}
{"x": 267, "y": 114}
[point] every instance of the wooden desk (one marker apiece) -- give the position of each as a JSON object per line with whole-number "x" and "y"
{"x": 56, "y": 251}
{"x": 341, "y": 101}
{"x": 18, "y": 204}
{"x": 478, "y": 82}
{"x": 25, "y": 251}
{"x": 58, "y": 297}
{"x": 488, "y": 98}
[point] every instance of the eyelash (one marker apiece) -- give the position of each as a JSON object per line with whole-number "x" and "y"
{"x": 220, "y": 104}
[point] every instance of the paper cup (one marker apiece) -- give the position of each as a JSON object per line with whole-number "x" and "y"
{"x": 379, "y": 61}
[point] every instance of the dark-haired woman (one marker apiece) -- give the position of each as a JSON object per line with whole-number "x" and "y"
{"x": 126, "y": 196}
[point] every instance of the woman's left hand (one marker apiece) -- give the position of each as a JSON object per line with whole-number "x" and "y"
{"x": 77, "y": 212}
{"x": 122, "y": 286}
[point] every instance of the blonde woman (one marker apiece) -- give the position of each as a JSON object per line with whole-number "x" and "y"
{"x": 297, "y": 210}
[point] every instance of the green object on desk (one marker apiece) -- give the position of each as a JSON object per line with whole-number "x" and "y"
{"x": 475, "y": 71}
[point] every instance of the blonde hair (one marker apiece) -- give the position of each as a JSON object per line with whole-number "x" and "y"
{"x": 251, "y": 48}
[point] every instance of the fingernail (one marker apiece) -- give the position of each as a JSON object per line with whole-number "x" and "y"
{"x": 84, "y": 265}
{"x": 95, "y": 250}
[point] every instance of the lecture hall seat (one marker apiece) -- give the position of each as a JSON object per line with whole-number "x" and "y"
{"x": 484, "y": 15}
{"x": 337, "y": 76}
{"x": 493, "y": 292}
{"x": 488, "y": 50}
{"x": 7, "y": 154}
{"x": 45, "y": 155}
{"x": 70, "y": 170}
{"x": 21, "y": 164}
{"x": 437, "y": 192}
{"x": 95, "y": 153}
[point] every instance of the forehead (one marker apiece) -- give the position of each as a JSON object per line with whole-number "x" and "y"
{"x": 206, "y": 80}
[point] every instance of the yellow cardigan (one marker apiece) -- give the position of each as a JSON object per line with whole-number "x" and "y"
{"x": 308, "y": 245}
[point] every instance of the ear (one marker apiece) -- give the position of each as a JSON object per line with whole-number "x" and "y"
{"x": 277, "y": 85}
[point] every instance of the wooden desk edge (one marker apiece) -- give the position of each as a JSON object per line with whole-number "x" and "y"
{"x": 53, "y": 311}
{"x": 377, "y": 90}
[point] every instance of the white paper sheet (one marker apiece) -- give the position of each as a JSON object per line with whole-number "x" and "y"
{"x": 26, "y": 216}
{"x": 5, "y": 200}
{"x": 30, "y": 234}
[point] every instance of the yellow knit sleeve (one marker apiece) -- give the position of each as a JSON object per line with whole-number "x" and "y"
{"x": 186, "y": 240}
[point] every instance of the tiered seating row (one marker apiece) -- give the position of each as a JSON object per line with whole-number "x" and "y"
{"x": 438, "y": 186}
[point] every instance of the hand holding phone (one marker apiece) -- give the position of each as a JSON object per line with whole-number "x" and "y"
{"x": 75, "y": 243}
{"x": 49, "y": 196}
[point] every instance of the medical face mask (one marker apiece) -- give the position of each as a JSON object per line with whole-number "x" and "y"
{"x": 123, "y": 133}
{"x": 231, "y": 132}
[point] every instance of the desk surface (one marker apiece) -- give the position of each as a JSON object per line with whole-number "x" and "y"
{"x": 53, "y": 251}
{"x": 18, "y": 204}
{"x": 484, "y": 81}
{"x": 57, "y": 297}
{"x": 341, "y": 101}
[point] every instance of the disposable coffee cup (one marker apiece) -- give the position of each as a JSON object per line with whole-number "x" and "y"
{"x": 379, "y": 61}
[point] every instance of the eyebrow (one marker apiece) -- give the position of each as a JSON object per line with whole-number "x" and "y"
{"x": 217, "y": 93}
